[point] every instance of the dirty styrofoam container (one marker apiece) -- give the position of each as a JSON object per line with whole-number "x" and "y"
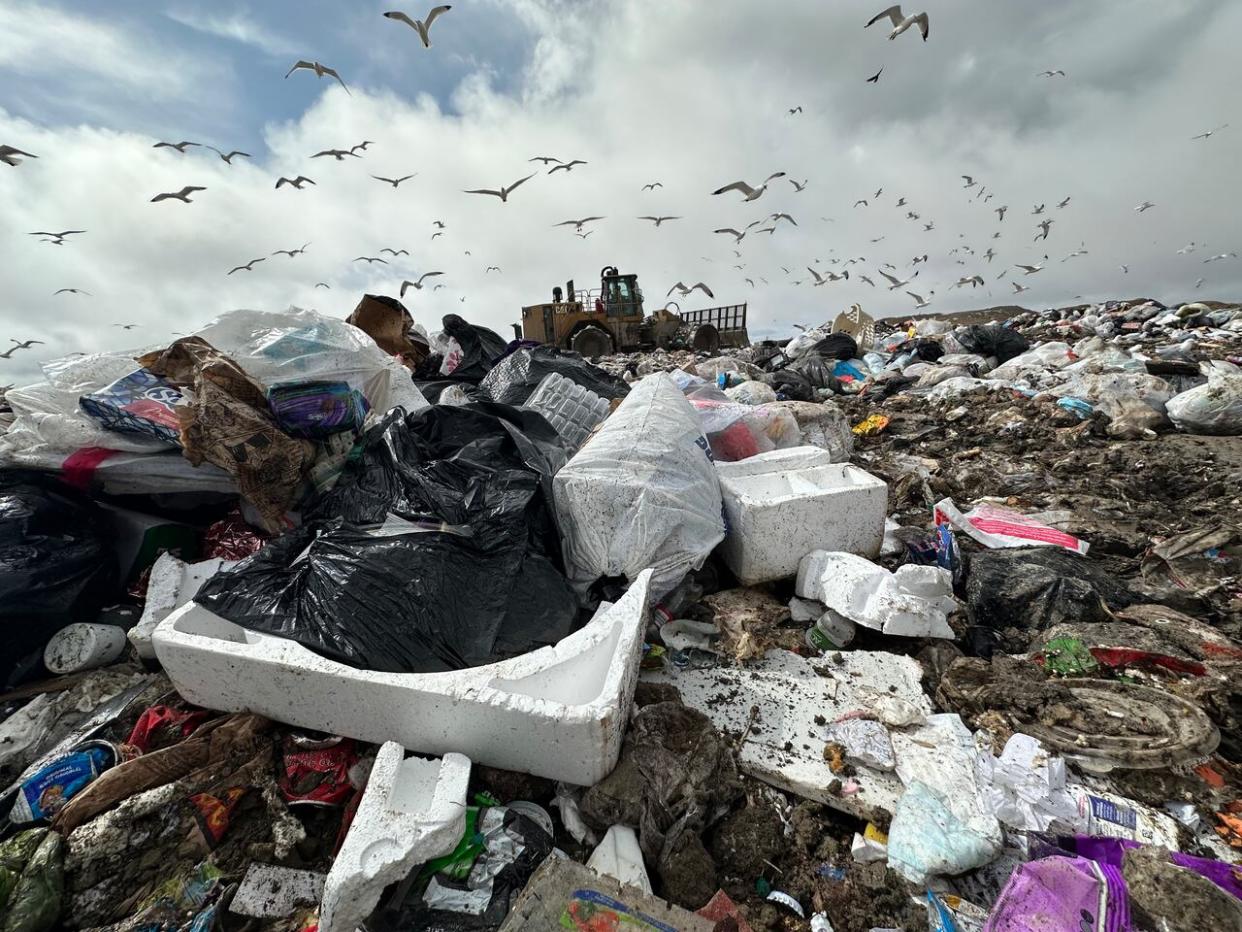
{"x": 573, "y": 410}
{"x": 172, "y": 584}
{"x": 413, "y": 810}
{"x": 775, "y": 461}
{"x": 557, "y": 712}
{"x": 778, "y": 517}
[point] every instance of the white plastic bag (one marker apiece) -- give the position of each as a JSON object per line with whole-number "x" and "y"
{"x": 641, "y": 493}
{"x": 752, "y": 393}
{"x": 297, "y": 345}
{"x": 1214, "y": 408}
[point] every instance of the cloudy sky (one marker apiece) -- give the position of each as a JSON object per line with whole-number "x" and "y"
{"x": 691, "y": 94}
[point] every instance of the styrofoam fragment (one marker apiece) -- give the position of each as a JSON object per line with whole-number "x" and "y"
{"x": 779, "y": 516}
{"x": 413, "y": 810}
{"x": 172, "y": 584}
{"x": 272, "y": 892}
{"x": 619, "y": 856}
{"x": 913, "y": 602}
{"x": 557, "y": 712}
{"x": 784, "y": 745}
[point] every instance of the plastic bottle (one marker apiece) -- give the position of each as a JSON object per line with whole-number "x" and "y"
{"x": 831, "y": 632}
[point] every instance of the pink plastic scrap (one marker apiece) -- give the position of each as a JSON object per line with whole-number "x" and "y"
{"x": 996, "y": 526}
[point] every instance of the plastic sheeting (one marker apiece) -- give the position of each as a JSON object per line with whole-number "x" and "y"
{"x": 642, "y": 493}
{"x": 1214, "y": 408}
{"x": 515, "y": 377}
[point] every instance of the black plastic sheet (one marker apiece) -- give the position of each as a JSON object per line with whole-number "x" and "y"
{"x": 514, "y": 378}
{"x": 992, "y": 340}
{"x": 480, "y": 348}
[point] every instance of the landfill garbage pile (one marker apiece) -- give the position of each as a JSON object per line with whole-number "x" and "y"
{"x": 322, "y": 624}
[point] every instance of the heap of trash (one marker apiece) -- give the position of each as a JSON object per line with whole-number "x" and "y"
{"x": 330, "y": 624}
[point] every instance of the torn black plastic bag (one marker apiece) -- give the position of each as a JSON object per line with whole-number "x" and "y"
{"x": 480, "y": 347}
{"x": 514, "y": 378}
{"x": 992, "y": 340}
{"x": 56, "y": 567}
{"x": 434, "y": 464}
{"x": 403, "y": 598}
{"x": 836, "y": 346}
{"x": 1014, "y": 594}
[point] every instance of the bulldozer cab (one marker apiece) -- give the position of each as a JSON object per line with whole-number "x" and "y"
{"x": 621, "y": 297}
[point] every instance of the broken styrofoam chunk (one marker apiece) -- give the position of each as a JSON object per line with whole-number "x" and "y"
{"x": 867, "y": 850}
{"x": 557, "y": 712}
{"x": 687, "y": 634}
{"x": 619, "y": 856}
{"x": 784, "y": 743}
{"x": 913, "y": 602}
{"x": 272, "y": 892}
{"x": 774, "y": 461}
{"x": 413, "y": 810}
{"x": 779, "y": 516}
{"x": 804, "y": 610}
{"x": 172, "y": 584}
{"x": 865, "y": 741}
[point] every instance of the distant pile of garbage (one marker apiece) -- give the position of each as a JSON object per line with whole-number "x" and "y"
{"x": 334, "y": 624}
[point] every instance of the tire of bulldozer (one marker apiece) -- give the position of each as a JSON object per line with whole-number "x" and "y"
{"x": 591, "y": 341}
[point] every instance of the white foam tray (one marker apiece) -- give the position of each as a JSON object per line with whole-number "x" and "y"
{"x": 558, "y": 712}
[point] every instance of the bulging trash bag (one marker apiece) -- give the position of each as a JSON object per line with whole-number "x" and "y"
{"x": 56, "y": 567}
{"x": 480, "y": 348}
{"x": 836, "y": 346}
{"x": 406, "y": 597}
{"x": 641, "y": 493}
{"x": 992, "y": 340}
{"x": 751, "y": 393}
{"x": 1214, "y": 408}
{"x": 515, "y": 377}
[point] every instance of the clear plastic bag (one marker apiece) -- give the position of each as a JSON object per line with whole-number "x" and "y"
{"x": 1214, "y": 408}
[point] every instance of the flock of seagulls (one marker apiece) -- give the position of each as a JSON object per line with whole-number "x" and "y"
{"x": 893, "y": 278}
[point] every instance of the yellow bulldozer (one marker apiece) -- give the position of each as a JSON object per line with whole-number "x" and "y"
{"x": 612, "y": 319}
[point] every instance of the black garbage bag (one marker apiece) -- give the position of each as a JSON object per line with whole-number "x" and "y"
{"x": 480, "y": 348}
{"x": 817, "y": 370}
{"x": 767, "y": 354}
{"x": 924, "y": 349}
{"x": 432, "y": 389}
{"x": 437, "y": 464}
{"x": 56, "y": 567}
{"x": 1012, "y": 595}
{"x": 792, "y": 384}
{"x": 405, "y": 598}
{"x": 992, "y": 340}
{"x": 836, "y": 346}
{"x": 514, "y": 378}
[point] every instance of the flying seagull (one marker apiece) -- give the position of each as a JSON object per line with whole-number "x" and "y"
{"x": 1030, "y": 269}
{"x": 179, "y": 146}
{"x": 749, "y": 281}
{"x": 1210, "y": 133}
{"x": 126, "y": 326}
{"x": 928, "y": 227}
{"x": 895, "y": 283}
{"x": 901, "y": 202}
{"x": 1081, "y": 251}
{"x": 18, "y": 344}
{"x": 794, "y": 110}
{"x": 422, "y": 27}
{"x": 861, "y": 201}
{"x": 779, "y": 217}
{"x": 652, "y": 186}
{"x": 1125, "y": 269}
{"x": 8, "y": 155}
{"x": 658, "y": 220}
{"x": 684, "y": 291}
{"x": 437, "y": 287}
{"x": 1223, "y": 255}
{"x": 580, "y": 235}
{"x": 974, "y": 281}
{"x": 1046, "y": 226}
{"x": 1039, "y": 209}
{"x": 320, "y": 71}
{"x": 566, "y": 166}
{"x": 296, "y": 182}
{"x": 440, "y": 224}
{"x": 1199, "y": 283}
{"x": 229, "y": 157}
{"x": 864, "y": 278}
{"x": 1064, "y": 203}
{"x": 493, "y": 268}
{"x": 371, "y": 259}
{"x": 799, "y": 187}
{"x": 57, "y": 238}
{"x": 503, "y": 193}
{"x": 394, "y": 181}
{"x": 752, "y": 194}
{"x": 290, "y": 252}
{"x": 364, "y": 145}
{"x": 970, "y": 182}
{"x": 875, "y": 78}
{"x": 395, "y": 252}
{"x": 323, "y": 285}
{"x": 919, "y": 300}
{"x": 71, "y": 291}
{"x": 990, "y": 254}
{"x": 1051, "y": 74}
{"x": 1000, "y": 212}
{"x": 249, "y": 266}
{"x": 1146, "y": 205}
{"x": 830, "y": 277}
{"x": 338, "y": 154}
{"x": 543, "y": 158}
{"x": 182, "y": 195}
{"x": 418, "y": 284}
{"x": 901, "y": 22}
{"x": 437, "y": 233}
{"x": 737, "y": 237}
{"x": 1018, "y": 289}
{"x": 576, "y": 224}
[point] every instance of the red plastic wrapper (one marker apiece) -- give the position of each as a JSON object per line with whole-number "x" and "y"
{"x": 161, "y": 726}
{"x": 231, "y": 538}
{"x": 315, "y": 771}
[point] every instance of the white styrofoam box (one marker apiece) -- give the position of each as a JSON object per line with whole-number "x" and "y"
{"x": 774, "y": 461}
{"x": 413, "y": 810}
{"x": 777, "y": 518}
{"x": 558, "y": 712}
{"x": 172, "y": 584}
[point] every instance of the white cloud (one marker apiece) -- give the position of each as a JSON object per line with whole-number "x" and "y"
{"x": 657, "y": 91}
{"x": 236, "y": 26}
